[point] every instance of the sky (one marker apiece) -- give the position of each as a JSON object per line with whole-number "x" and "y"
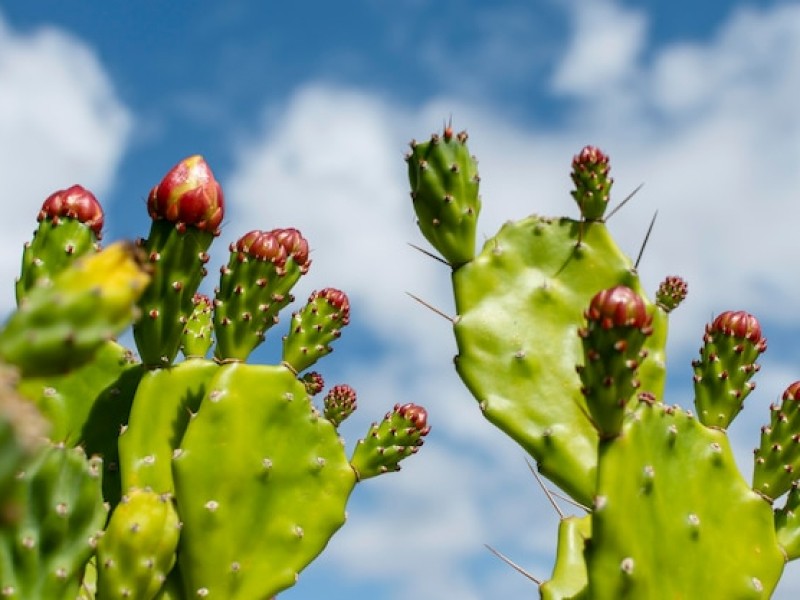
{"x": 304, "y": 111}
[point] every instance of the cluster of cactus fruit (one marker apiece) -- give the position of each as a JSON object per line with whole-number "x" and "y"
{"x": 166, "y": 477}
{"x": 564, "y": 353}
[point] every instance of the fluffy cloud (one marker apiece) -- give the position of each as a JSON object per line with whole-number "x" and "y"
{"x": 60, "y": 123}
{"x": 709, "y": 127}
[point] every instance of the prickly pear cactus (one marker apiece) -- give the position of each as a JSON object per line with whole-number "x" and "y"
{"x": 170, "y": 476}
{"x": 563, "y": 351}
{"x": 519, "y": 304}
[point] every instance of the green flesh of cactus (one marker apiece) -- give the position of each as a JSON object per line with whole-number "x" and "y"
{"x": 221, "y": 478}
{"x": 165, "y": 401}
{"x": 261, "y": 485}
{"x": 520, "y": 303}
{"x": 673, "y": 515}
{"x": 178, "y": 257}
{"x": 61, "y": 326}
{"x": 137, "y": 550}
{"x": 569, "y": 573}
{"x": 444, "y": 188}
{"x": 42, "y": 554}
{"x": 41, "y": 261}
{"x": 70, "y": 225}
{"x": 67, "y": 400}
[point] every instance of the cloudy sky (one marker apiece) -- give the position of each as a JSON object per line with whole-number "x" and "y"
{"x": 304, "y": 110}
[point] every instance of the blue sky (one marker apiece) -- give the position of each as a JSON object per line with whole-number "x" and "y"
{"x": 304, "y": 110}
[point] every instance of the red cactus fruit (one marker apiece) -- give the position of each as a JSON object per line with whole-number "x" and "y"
{"x": 340, "y": 402}
{"x": 619, "y": 306}
{"x": 739, "y": 324}
{"x": 416, "y": 414}
{"x": 75, "y": 202}
{"x": 314, "y": 382}
{"x": 671, "y": 292}
{"x": 189, "y": 195}
{"x": 336, "y": 298}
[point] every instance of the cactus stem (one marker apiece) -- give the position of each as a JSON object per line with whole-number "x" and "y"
{"x": 433, "y": 308}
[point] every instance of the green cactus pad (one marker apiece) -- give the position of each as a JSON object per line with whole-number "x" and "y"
{"x": 137, "y": 550}
{"x": 653, "y": 537}
{"x": 67, "y": 400}
{"x": 61, "y": 327}
{"x": 731, "y": 345}
{"x": 617, "y": 327}
{"x": 261, "y": 483}
{"x": 569, "y": 573}
{"x": 444, "y": 188}
{"x": 254, "y": 287}
{"x": 22, "y": 435}
{"x": 164, "y": 402}
{"x": 314, "y": 327}
{"x": 198, "y": 334}
{"x": 178, "y": 257}
{"x": 520, "y": 303}
{"x": 777, "y": 460}
{"x": 107, "y": 419}
{"x": 70, "y": 224}
{"x": 787, "y": 523}
{"x": 44, "y": 553}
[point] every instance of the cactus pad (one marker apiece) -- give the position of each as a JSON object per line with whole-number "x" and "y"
{"x": 654, "y": 538}
{"x": 519, "y": 305}
{"x": 261, "y": 483}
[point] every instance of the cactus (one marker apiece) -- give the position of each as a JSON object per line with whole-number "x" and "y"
{"x": 563, "y": 351}
{"x": 137, "y": 549}
{"x": 43, "y": 554}
{"x": 169, "y": 477}
{"x": 70, "y": 225}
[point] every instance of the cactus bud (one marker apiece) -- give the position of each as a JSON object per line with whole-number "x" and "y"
{"x": 340, "y": 403}
{"x": 671, "y": 292}
{"x": 444, "y": 189}
{"x": 75, "y": 202}
{"x": 617, "y": 325}
{"x": 398, "y": 436}
{"x": 263, "y": 268}
{"x": 314, "y": 383}
{"x": 590, "y": 170}
{"x": 189, "y": 195}
{"x": 187, "y": 208}
{"x": 314, "y": 327}
{"x": 731, "y": 346}
{"x": 739, "y": 324}
{"x": 619, "y": 306}
{"x": 70, "y": 224}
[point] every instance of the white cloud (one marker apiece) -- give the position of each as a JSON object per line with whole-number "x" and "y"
{"x": 60, "y": 123}
{"x": 605, "y": 43}
{"x": 710, "y": 128}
